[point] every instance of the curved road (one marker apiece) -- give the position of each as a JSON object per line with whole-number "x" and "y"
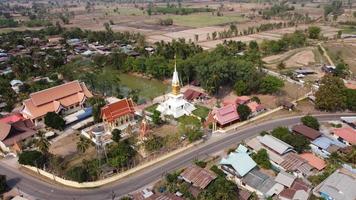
{"x": 44, "y": 190}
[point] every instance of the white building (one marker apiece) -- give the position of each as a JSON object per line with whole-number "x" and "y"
{"x": 175, "y": 105}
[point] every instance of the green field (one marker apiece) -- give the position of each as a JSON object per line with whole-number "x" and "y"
{"x": 127, "y": 11}
{"x": 203, "y": 19}
{"x": 149, "y": 89}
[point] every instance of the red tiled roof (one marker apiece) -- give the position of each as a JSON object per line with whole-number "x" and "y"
{"x": 198, "y": 176}
{"x": 226, "y": 114}
{"x": 115, "y": 110}
{"x": 191, "y": 94}
{"x": 314, "y": 161}
{"x": 346, "y": 133}
{"x": 306, "y": 131}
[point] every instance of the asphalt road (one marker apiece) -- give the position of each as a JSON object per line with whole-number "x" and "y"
{"x": 47, "y": 191}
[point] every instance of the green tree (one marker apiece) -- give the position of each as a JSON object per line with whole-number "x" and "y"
{"x": 262, "y": 159}
{"x": 311, "y": 122}
{"x": 299, "y": 142}
{"x": 220, "y": 189}
{"x": 314, "y": 32}
{"x": 331, "y": 94}
{"x": 120, "y": 154}
{"x": 156, "y": 117}
{"x": 154, "y": 143}
{"x": 116, "y": 135}
{"x": 83, "y": 144}
{"x": 240, "y": 88}
{"x": 42, "y": 142}
{"x": 54, "y": 120}
{"x": 341, "y": 70}
{"x": 350, "y": 99}
{"x": 32, "y": 158}
{"x": 270, "y": 84}
{"x": 244, "y": 112}
{"x": 97, "y": 103}
{"x": 3, "y": 185}
{"x": 78, "y": 174}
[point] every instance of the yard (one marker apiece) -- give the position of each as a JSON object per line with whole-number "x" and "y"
{"x": 201, "y": 111}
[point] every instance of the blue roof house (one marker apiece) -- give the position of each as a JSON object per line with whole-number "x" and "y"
{"x": 324, "y": 146}
{"x": 238, "y": 163}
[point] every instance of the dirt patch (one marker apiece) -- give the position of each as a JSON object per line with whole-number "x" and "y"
{"x": 301, "y": 59}
{"x": 65, "y": 146}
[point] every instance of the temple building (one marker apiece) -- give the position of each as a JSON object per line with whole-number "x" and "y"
{"x": 175, "y": 105}
{"x": 118, "y": 115}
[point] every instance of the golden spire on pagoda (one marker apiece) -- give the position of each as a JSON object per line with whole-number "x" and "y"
{"x": 175, "y": 79}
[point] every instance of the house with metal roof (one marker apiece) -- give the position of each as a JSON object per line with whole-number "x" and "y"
{"x": 299, "y": 190}
{"x": 351, "y": 121}
{"x": 198, "y": 176}
{"x": 275, "y": 144}
{"x": 338, "y": 186}
{"x": 238, "y": 163}
{"x": 262, "y": 184}
{"x": 323, "y": 146}
{"x": 285, "y": 178}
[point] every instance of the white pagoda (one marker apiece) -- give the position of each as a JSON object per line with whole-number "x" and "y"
{"x": 175, "y": 104}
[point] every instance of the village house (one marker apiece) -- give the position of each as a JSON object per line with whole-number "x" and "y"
{"x": 351, "y": 121}
{"x": 242, "y": 169}
{"x": 323, "y": 146}
{"x": 118, "y": 115}
{"x": 198, "y": 177}
{"x": 63, "y": 99}
{"x": 346, "y": 135}
{"x": 299, "y": 190}
{"x": 192, "y": 95}
{"x": 225, "y": 116}
{"x": 306, "y": 131}
{"x": 338, "y": 186}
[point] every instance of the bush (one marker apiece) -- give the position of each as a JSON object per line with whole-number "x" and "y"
{"x": 311, "y": 122}
{"x": 54, "y": 120}
{"x": 314, "y": 32}
{"x": 217, "y": 171}
{"x": 78, "y": 174}
{"x": 32, "y": 158}
{"x": 200, "y": 163}
{"x": 262, "y": 159}
{"x": 194, "y": 135}
{"x": 165, "y": 22}
{"x": 154, "y": 143}
{"x": 116, "y": 135}
{"x": 270, "y": 84}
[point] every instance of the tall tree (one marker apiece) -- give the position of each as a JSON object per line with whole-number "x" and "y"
{"x": 244, "y": 112}
{"x": 42, "y": 142}
{"x": 83, "y": 144}
{"x": 331, "y": 94}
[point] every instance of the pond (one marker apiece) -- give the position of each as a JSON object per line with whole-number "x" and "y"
{"x": 149, "y": 88}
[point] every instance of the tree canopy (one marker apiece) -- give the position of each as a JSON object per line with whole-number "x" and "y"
{"x": 244, "y": 112}
{"x": 262, "y": 159}
{"x": 54, "y": 120}
{"x": 299, "y": 142}
{"x": 331, "y": 94}
{"x": 311, "y": 122}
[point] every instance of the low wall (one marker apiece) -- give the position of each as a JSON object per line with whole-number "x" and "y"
{"x": 112, "y": 178}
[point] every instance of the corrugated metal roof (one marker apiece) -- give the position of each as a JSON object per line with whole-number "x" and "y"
{"x": 275, "y": 144}
{"x": 240, "y": 161}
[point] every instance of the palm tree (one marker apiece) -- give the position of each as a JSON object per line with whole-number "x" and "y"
{"x": 83, "y": 144}
{"x": 42, "y": 142}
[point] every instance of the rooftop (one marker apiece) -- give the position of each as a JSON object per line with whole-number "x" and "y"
{"x": 314, "y": 161}
{"x": 240, "y": 161}
{"x": 275, "y": 144}
{"x": 117, "y": 109}
{"x": 308, "y": 132}
{"x": 226, "y": 114}
{"x": 198, "y": 176}
{"x": 285, "y": 178}
{"x": 325, "y": 142}
{"x": 346, "y": 133}
{"x": 340, "y": 185}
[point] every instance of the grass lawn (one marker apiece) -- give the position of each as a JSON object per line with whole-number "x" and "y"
{"x": 151, "y": 108}
{"x": 149, "y": 89}
{"x": 349, "y": 29}
{"x": 201, "y": 111}
{"x": 203, "y": 19}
